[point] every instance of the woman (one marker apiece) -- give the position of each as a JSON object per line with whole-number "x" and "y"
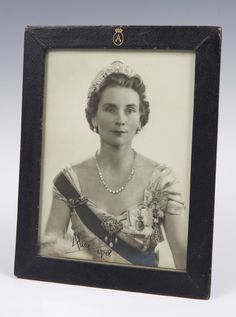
{"x": 124, "y": 208}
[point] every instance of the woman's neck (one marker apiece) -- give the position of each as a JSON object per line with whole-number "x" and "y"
{"x": 115, "y": 158}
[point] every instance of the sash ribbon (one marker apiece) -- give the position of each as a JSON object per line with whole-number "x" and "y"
{"x": 97, "y": 227}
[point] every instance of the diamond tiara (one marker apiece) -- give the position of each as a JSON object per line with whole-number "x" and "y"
{"x": 115, "y": 67}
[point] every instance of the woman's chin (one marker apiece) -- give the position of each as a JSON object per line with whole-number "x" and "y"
{"x": 117, "y": 141}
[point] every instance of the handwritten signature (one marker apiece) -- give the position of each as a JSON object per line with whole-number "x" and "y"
{"x": 104, "y": 252}
{"x": 86, "y": 245}
{"x": 81, "y": 244}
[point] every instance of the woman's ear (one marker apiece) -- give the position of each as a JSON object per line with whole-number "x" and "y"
{"x": 139, "y": 128}
{"x": 94, "y": 122}
{"x": 95, "y": 125}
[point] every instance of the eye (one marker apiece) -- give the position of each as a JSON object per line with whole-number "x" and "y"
{"x": 131, "y": 109}
{"x": 109, "y": 108}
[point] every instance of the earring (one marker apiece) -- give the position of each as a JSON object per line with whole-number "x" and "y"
{"x": 138, "y": 130}
{"x": 95, "y": 129}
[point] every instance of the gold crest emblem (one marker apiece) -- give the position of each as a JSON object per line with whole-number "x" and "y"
{"x": 118, "y": 37}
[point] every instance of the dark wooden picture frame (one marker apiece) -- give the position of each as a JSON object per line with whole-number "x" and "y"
{"x": 206, "y": 43}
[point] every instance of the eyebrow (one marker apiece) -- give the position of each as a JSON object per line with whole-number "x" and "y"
{"x": 114, "y": 105}
{"x": 109, "y": 104}
{"x": 132, "y": 105}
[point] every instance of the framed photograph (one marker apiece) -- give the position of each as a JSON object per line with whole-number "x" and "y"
{"x": 118, "y": 157}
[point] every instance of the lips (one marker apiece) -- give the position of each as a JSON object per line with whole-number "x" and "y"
{"x": 119, "y": 131}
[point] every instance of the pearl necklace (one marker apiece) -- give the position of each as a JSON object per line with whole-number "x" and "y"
{"x": 120, "y": 189}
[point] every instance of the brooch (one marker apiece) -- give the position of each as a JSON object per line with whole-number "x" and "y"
{"x": 112, "y": 226}
{"x": 139, "y": 223}
{"x": 157, "y": 202}
{"x": 156, "y": 197}
{"x": 72, "y": 203}
{"x": 156, "y": 236}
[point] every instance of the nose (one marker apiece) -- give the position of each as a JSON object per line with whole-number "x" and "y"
{"x": 120, "y": 118}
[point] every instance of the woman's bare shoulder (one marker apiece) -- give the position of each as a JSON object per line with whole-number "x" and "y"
{"x": 85, "y": 166}
{"x": 147, "y": 166}
{"x": 145, "y": 162}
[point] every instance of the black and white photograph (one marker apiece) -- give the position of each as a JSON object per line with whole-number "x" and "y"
{"x": 117, "y": 171}
{"x": 116, "y": 157}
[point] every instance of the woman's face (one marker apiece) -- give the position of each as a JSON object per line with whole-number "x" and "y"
{"x": 118, "y": 115}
